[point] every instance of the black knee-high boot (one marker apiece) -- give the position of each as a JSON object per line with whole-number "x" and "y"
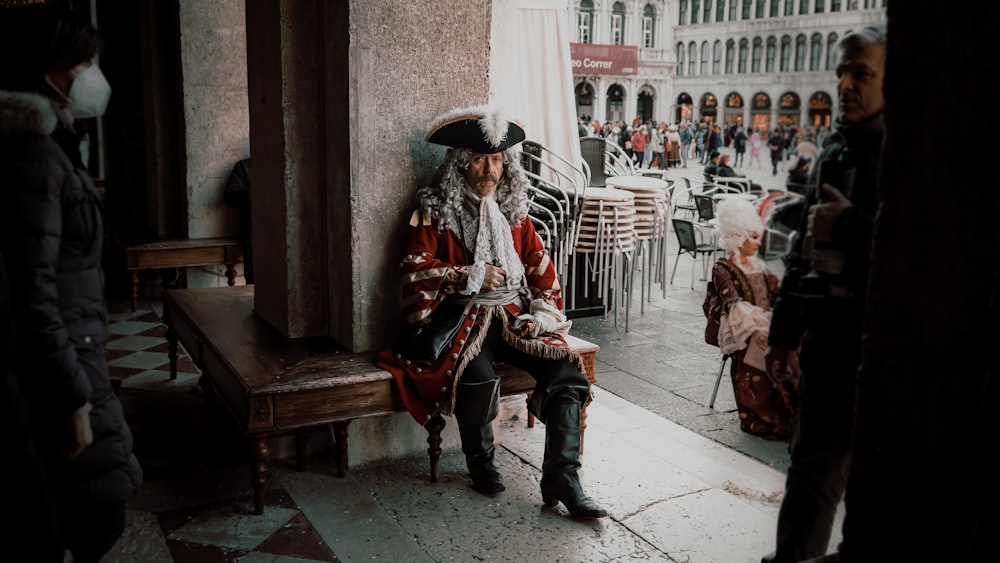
{"x": 476, "y": 405}
{"x": 560, "y": 482}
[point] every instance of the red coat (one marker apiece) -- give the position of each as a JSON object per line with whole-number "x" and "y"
{"x": 433, "y": 267}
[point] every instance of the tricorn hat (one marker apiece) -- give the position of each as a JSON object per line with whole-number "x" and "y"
{"x": 482, "y": 129}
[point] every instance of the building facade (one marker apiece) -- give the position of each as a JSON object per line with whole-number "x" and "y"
{"x": 763, "y": 63}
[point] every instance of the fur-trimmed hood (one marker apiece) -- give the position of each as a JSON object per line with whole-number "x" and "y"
{"x": 23, "y": 113}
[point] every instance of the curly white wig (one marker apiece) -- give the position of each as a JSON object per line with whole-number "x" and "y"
{"x": 443, "y": 198}
{"x": 737, "y": 218}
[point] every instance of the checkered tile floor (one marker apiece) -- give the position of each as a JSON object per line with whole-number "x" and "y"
{"x": 195, "y": 504}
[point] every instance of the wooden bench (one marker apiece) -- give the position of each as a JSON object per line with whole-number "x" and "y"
{"x": 182, "y": 253}
{"x": 274, "y": 385}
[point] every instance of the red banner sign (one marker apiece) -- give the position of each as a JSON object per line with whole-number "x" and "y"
{"x": 604, "y": 59}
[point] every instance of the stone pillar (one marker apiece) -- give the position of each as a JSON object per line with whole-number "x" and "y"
{"x": 214, "y": 107}
{"x": 338, "y": 110}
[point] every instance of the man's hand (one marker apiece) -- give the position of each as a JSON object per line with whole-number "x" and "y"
{"x": 495, "y": 276}
{"x": 79, "y": 433}
{"x": 776, "y": 360}
{"x": 823, "y": 215}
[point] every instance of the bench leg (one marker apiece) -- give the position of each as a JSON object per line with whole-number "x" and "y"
{"x": 339, "y": 430}
{"x": 531, "y": 416}
{"x": 434, "y": 427}
{"x": 135, "y": 290}
{"x": 172, "y": 352}
{"x": 260, "y": 451}
{"x": 231, "y": 273}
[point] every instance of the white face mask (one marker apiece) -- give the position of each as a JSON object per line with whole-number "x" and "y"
{"x": 89, "y": 94}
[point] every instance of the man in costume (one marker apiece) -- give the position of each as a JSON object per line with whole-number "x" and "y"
{"x": 473, "y": 255}
{"x": 822, "y": 297}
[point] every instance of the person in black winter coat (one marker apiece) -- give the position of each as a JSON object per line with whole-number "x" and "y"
{"x": 237, "y": 194}
{"x": 51, "y": 238}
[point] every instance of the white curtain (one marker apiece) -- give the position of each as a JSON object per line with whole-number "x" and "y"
{"x": 531, "y": 73}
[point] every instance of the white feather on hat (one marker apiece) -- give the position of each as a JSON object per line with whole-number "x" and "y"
{"x": 494, "y": 125}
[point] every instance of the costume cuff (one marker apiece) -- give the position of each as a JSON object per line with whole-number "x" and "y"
{"x": 477, "y": 273}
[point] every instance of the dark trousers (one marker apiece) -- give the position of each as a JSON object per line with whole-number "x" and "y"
{"x": 553, "y": 378}
{"x": 820, "y": 447}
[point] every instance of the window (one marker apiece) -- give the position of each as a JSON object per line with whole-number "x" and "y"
{"x": 704, "y": 57}
{"x": 618, "y": 24}
{"x": 733, "y": 5}
{"x": 695, "y": 7}
{"x": 831, "y": 51}
{"x": 758, "y": 52}
{"x": 820, "y": 6}
{"x": 815, "y": 51}
{"x": 834, "y": 5}
{"x": 747, "y": 4}
{"x": 774, "y": 8}
{"x": 852, "y": 5}
{"x": 585, "y": 22}
{"x": 730, "y": 55}
{"x": 744, "y": 53}
{"x": 720, "y": 10}
{"x": 716, "y": 56}
{"x": 786, "y": 52}
{"x": 648, "y": 19}
{"x": 761, "y": 4}
{"x": 772, "y": 52}
{"x": 800, "y": 53}
{"x": 803, "y": 7}
{"x": 707, "y": 16}
{"x": 680, "y": 59}
{"x": 692, "y": 55}
{"x": 683, "y": 12}
{"x": 789, "y": 7}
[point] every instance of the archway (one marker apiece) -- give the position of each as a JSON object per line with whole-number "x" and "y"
{"x": 683, "y": 111}
{"x": 734, "y": 110}
{"x": 709, "y": 108}
{"x": 789, "y": 109}
{"x": 584, "y": 100}
{"x": 616, "y": 103}
{"x": 820, "y": 109}
{"x": 644, "y": 105}
{"x": 760, "y": 113}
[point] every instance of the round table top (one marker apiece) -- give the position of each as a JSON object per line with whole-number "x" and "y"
{"x": 635, "y": 183}
{"x": 607, "y": 194}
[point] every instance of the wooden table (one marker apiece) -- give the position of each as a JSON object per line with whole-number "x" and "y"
{"x": 273, "y": 385}
{"x": 182, "y": 253}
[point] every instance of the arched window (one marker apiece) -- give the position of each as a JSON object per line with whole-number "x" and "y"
{"x": 704, "y": 58}
{"x": 786, "y": 52}
{"x": 707, "y": 16}
{"x": 680, "y": 59}
{"x": 730, "y": 55}
{"x": 744, "y": 53}
{"x": 789, "y": 7}
{"x": 683, "y": 10}
{"x": 648, "y": 25}
{"x": 618, "y": 24}
{"x": 716, "y": 57}
{"x": 831, "y": 51}
{"x": 692, "y": 57}
{"x": 585, "y": 22}
{"x": 772, "y": 53}
{"x": 815, "y": 51}
{"x": 695, "y": 8}
{"x": 758, "y": 52}
{"x": 720, "y": 10}
{"x": 800, "y": 52}
{"x": 761, "y": 5}
{"x": 775, "y": 4}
